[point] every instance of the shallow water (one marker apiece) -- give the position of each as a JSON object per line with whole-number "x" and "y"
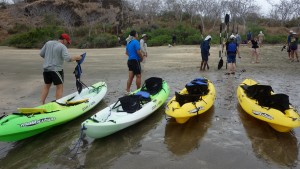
{"x": 224, "y": 137}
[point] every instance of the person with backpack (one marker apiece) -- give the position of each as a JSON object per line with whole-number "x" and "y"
{"x": 232, "y": 48}
{"x": 205, "y": 46}
{"x": 294, "y": 47}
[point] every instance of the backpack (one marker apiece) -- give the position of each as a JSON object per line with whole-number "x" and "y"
{"x": 231, "y": 48}
{"x": 153, "y": 85}
{"x": 197, "y": 86}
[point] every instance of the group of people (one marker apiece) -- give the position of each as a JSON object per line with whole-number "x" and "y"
{"x": 232, "y": 49}
{"x": 55, "y": 52}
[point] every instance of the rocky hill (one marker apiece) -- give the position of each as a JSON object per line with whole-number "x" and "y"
{"x": 72, "y": 13}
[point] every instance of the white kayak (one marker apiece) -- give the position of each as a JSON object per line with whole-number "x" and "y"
{"x": 128, "y": 110}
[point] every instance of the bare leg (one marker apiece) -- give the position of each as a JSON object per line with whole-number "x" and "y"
{"x": 138, "y": 81}
{"x": 204, "y": 65}
{"x": 129, "y": 81}
{"x": 201, "y": 65}
{"x": 296, "y": 54}
{"x": 44, "y": 92}
{"x": 59, "y": 91}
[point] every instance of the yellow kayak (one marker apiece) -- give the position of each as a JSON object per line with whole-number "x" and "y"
{"x": 262, "y": 103}
{"x": 189, "y": 102}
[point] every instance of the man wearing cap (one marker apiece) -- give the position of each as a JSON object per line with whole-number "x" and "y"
{"x": 55, "y": 52}
{"x": 232, "y": 48}
{"x": 143, "y": 45}
{"x": 205, "y": 46}
{"x": 261, "y": 38}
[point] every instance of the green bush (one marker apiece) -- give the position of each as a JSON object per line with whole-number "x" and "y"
{"x": 275, "y": 39}
{"x": 159, "y": 40}
{"x": 34, "y": 38}
{"x": 104, "y": 40}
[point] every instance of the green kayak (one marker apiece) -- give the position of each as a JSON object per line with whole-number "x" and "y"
{"x": 28, "y": 122}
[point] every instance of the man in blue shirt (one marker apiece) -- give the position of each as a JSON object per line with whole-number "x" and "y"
{"x": 135, "y": 57}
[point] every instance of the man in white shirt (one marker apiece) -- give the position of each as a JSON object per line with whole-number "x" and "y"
{"x": 143, "y": 45}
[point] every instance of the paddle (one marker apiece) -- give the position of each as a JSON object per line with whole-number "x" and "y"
{"x": 220, "y": 65}
{"x": 227, "y": 17}
{"x": 77, "y": 72}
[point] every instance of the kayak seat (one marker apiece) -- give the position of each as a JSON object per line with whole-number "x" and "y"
{"x": 197, "y": 87}
{"x": 187, "y": 98}
{"x": 257, "y": 91}
{"x": 275, "y": 101}
{"x": 153, "y": 85}
{"x": 130, "y": 103}
{"x": 145, "y": 96}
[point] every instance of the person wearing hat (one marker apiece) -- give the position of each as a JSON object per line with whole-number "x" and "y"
{"x": 261, "y": 37}
{"x": 143, "y": 45}
{"x": 54, "y": 53}
{"x": 205, "y": 47}
{"x": 135, "y": 57}
{"x": 232, "y": 48}
{"x": 294, "y": 47}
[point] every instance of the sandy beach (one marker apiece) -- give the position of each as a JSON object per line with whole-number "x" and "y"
{"x": 224, "y": 137}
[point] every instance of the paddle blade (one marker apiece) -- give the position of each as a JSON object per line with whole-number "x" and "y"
{"x": 78, "y": 86}
{"x": 227, "y": 18}
{"x": 77, "y": 72}
{"x": 82, "y": 59}
{"x": 220, "y": 65}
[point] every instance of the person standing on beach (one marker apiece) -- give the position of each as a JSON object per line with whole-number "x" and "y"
{"x": 174, "y": 39}
{"x": 294, "y": 47}
{"x": 255, "y": 47}
{"x": 238, "y": 39}
{"x": 205, "y": 46}
{"x": 133, "y": 51}
{"x": 249, "y": 37}
{"x": 55, "y": 52}
{"x": 143, "y": 45}
{"x": 232, "y": 48}
{"x": 261, "y": 37}
{"x": 289, "y": 38}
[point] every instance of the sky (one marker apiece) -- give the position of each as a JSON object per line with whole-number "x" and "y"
{"x": 265, "y": 6}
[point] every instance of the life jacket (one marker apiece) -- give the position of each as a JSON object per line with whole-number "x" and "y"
{"x": 231, "y": 48}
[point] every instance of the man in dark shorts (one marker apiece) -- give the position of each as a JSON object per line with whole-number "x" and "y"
{"x": 232, "y": 48}
{"x": 55, "y": 52}
{"x": 205, "y": 46}
{"x": 133, "y": 51}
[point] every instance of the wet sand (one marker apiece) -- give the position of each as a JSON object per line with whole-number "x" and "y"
{"x": 224, "y": 137}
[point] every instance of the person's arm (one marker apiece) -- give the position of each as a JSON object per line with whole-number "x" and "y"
{"x": 140, "y": 54}
{"x": 43, "y": 51}
{"x": 73, "y": 58}
{"x": 238, "y": 51}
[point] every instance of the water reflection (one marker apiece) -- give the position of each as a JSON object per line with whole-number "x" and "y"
{"x": 103, "y": 152}
{"x": 184, "y": 138}
{"x": 49, "y": 149}
{"x": 268, "y": 144}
